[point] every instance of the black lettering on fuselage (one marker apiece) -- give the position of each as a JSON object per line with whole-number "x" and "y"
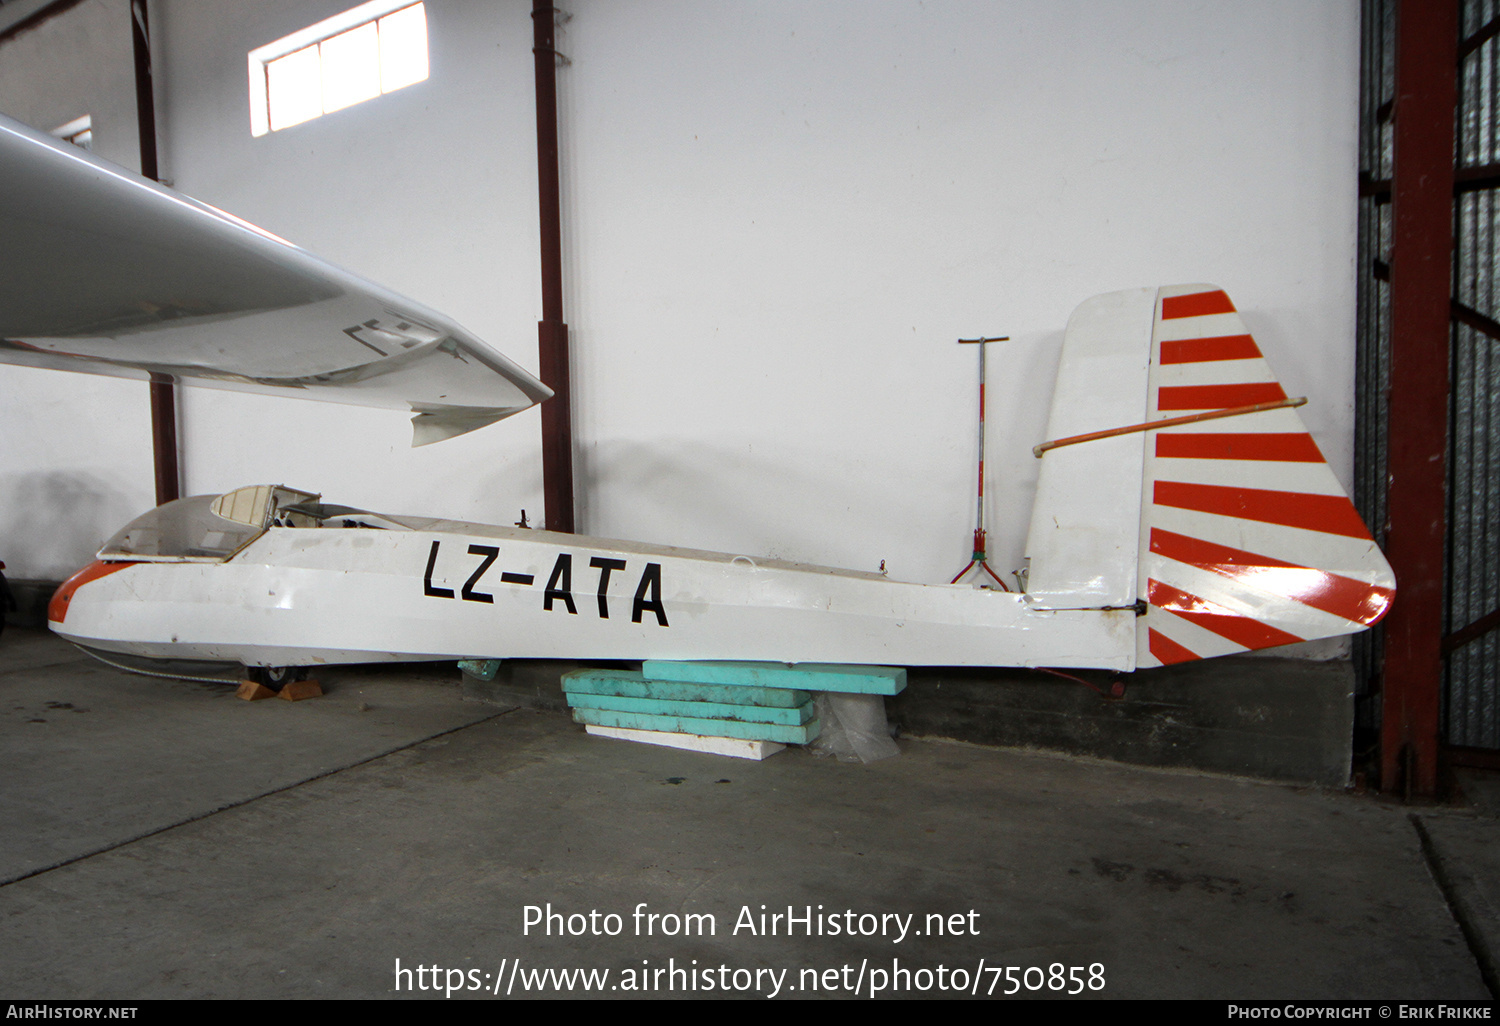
{"x": 427, "y": 588}
{"x": 605, "y": 566}
{"x": 489, "y": 552}
{"x": 469, "y": 592}
{"x": 560, "y": 584}
{"x": 650, "y": 582}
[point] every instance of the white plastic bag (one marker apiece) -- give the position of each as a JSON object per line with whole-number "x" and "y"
{"x": 854, "y": 728}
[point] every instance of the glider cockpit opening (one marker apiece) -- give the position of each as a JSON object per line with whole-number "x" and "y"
{"x": 207, "y": 528}
{"x": 216, "y": 528}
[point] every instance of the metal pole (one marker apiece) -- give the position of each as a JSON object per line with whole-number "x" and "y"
{"x": 164, "y": 452}
{"x": 980, "y": 558}
{"x": 552, "y": 330}
{"x": 1421, "y": 251}
{"x": 979, "y": 509}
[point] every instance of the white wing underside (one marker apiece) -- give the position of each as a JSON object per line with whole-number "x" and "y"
{"x": 108, "y": 273}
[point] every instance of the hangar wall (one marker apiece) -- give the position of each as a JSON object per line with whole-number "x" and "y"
{"x": 75, "y": 460}
{"x": 786, "y": 213}
{"x": 779, "y": 217}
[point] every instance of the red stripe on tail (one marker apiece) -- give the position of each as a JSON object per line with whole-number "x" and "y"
{"x": 1241, "y": 630}
{"x": 1285, "y": 448}
{"x": 1341, "y": 596}
{"x": 1199, "y": 304}
{"x": 1217, "y": 397}
{"x": 1331, "y": 514}
{"x": 1167, "y": 650}
{"x": 1202, "y": 350}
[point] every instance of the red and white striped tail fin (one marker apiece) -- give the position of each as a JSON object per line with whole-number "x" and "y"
{"x": 1247, "y": 539}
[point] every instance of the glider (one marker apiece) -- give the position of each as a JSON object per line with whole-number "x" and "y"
{"x": 1183, "y": 510}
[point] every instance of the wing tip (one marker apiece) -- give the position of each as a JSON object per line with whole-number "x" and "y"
{"x": 429, "y": 426}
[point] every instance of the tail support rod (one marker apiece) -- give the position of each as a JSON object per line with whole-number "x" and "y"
{"x": 1193, "y": 418}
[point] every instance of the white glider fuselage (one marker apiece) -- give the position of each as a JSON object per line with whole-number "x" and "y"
{"x": 434, "y": 590}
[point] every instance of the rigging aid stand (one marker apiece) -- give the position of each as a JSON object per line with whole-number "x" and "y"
{"x": 980, "y": 559}
{"x": 1115, "y": 689}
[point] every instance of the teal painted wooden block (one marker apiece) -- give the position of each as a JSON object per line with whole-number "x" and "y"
{"x": 483, "y": 669}
{"x": 694, "y": 710}
{"x": 691, "y": 725}
{"x": 865, "y": 680}
{"x": 634, "y": 685}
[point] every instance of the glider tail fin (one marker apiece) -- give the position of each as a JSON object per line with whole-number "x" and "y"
{"x": 1244, "y": 537}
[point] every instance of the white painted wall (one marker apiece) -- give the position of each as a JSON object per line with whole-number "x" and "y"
{"x": 75, "y": 450}
{"x": 780, "y": 215}
{"x": 430, "y": 190}
{"x": 785, "y": 213}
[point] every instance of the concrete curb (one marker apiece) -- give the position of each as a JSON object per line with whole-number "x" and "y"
{"x": 1467, "y": 896}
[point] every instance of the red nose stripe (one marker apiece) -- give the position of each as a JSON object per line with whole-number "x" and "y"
{"x": 57, "y": 609}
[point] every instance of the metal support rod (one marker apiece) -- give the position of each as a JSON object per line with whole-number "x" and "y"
{"x": 979, "y": 503}
{"x": 552, "y": 330}
{"x": 1421, "y": 257}
{"x": 981, "y": 559}
{"x": 164, "y": 453}
{"x": 1193, "y": 418}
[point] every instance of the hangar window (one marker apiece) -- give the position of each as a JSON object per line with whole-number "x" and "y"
{"x": 375, "y": 48}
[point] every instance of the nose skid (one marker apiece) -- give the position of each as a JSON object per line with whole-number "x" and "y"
{"x": 57, "y": 609}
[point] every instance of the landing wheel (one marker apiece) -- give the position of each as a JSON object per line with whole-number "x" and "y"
{"x": 277, "y": 677}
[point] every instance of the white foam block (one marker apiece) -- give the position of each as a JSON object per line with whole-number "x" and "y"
{"x": 732, "y": 746}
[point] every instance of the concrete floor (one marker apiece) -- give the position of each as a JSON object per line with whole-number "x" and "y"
{"x": 164, "y": 839}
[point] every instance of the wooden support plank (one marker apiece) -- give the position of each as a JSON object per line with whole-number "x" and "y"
{"x": 731, "y": 746}
{"x": 867, "y": 680}
{"x": 794, "y": 717}
{"x": 709, "y": 728}
{"x": 297, "y": 690}
{"x": 634, "y": 685}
